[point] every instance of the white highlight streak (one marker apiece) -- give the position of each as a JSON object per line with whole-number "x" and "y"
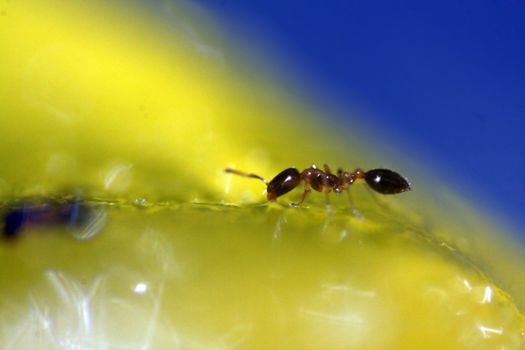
{"x": 344, "y": 318}
{"x": 487, "y": 297}
{"x": 467, "y": 284}
{"x": 487, "y": 332}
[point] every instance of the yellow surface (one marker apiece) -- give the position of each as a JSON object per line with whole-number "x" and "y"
{"x": 140, "y": 115}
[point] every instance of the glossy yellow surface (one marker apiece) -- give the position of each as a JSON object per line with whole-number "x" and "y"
{"x": 140, "y": 115}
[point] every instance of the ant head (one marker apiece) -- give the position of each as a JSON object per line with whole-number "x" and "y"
{"x": 386, "y": 181}
{"x": 282, "y": 183}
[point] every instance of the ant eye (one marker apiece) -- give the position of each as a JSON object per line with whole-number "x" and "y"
{"x": 283, "y": 183}
{"x": 386, "y": 181}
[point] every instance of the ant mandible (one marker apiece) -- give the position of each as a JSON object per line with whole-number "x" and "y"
{"x": 383, "y": 181}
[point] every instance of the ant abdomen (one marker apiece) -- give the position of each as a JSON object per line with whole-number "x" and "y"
{"x": 282, "y": 183}
{"x": 386, "y": 181}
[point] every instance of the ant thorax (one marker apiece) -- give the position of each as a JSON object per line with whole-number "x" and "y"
{"x": 321, "y": 181}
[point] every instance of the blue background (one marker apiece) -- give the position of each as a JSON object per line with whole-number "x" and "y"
{"x": 446, "y": 76}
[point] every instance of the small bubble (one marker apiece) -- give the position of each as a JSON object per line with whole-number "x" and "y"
{"x": 140, "y": 202}
{"x": 140, "y": 288}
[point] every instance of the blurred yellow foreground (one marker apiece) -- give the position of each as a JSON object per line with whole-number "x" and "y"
{"x": 140, "y": 115}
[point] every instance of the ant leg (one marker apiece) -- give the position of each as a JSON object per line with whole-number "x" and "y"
{"x": 307, "y": 190}
{"x": 327, "y": 169}
{"x": 350, "y": 200}
{"x": 328, "y": 204}
{"x": 376, "y": 199}
{"x": 240, "y": 173}
{"x": 353, "y": 209}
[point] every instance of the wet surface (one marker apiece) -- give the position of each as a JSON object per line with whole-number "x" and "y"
{"x": 216, "y": 276}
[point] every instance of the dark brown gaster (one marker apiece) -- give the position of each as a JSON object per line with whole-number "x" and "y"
{"x": 386, "y": 181}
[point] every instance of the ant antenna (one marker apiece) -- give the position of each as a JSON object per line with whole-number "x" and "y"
{"x": 250, "y": 175}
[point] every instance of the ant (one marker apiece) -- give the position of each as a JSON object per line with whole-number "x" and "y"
{"x": 383, "y": 181}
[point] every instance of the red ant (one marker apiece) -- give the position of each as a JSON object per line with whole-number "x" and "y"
{"x": 383, "y": 181}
